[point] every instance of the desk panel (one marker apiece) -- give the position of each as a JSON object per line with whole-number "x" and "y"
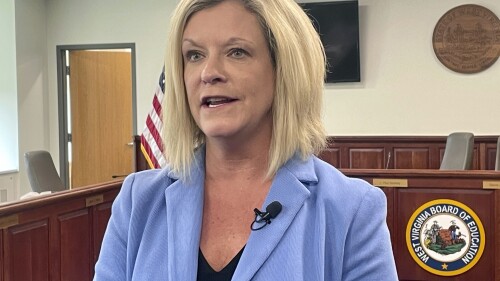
{"x": 55, "y": 237}
{"x": 424, "y": 186}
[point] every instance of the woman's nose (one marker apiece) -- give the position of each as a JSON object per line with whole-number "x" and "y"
{"x": 213, "y": 71}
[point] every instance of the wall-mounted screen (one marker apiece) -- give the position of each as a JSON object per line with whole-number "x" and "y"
{"x": 338, "y": 25}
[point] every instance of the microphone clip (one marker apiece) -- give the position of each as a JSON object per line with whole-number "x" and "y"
{"x": 264, "y": 218}
{"x": 261, "y": 216}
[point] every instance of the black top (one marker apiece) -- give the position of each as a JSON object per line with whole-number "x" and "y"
{"x": 207, "y": 273}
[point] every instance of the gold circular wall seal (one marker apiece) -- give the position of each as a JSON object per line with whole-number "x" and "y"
{"x": 467, "y": 39}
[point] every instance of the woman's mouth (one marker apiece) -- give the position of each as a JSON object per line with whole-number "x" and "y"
{"x": 216, "y": 101}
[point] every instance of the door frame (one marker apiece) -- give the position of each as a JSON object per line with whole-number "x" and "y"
{"x": 63, "y": 101}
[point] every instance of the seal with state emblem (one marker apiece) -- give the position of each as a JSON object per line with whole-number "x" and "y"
{"x": 466, "y": 39}
{"x": 445, "y": 237}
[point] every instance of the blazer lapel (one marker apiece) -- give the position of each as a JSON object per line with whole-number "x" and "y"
{"x": 288, "y": 189}
{"x": 184, "y": 207}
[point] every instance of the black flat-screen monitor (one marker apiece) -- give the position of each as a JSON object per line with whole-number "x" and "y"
{"x": 338, "y": 26}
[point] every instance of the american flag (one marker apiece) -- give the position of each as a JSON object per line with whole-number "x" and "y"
{"x": 151, "y": 141}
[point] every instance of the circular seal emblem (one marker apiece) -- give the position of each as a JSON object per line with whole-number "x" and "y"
{"x": 467, "y": 39}
{"x": 445, "y": 237}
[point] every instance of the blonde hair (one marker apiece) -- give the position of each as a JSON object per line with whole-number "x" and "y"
{"x": 299, "y": 63}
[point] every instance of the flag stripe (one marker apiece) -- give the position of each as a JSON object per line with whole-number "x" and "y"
{"x": 147, "y": 151}
{"x": 154, "y": 131}
{"x": 151, "y": 139}
{"x": 157, "y": 105}
{"x": 154, "y": 153}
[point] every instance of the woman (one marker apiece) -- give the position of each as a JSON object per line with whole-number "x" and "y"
{"x": 244, "y": 81}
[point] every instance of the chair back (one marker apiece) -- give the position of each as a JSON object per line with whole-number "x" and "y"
{"x": 497, "y": 162}
{"x": 42, "y": 173}
{"x": 458, "y": 152}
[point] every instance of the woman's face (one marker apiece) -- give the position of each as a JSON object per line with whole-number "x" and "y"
{"x": 228, "y": 73}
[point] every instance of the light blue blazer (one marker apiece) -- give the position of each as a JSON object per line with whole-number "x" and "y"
{"x": 330, "y": 228}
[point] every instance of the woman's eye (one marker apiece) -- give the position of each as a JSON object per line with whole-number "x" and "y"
{"x": 238, "y": 53}
{"x": 193, "y": 56}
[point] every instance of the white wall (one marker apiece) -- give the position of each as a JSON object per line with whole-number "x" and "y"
{"x": 9, "y": 161}
{"x": 8, "y": 96}
{"x": 32, "y": 78}
{"x": 405, "y": 90}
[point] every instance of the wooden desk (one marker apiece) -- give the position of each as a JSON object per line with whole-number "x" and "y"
{"x": 58, "y": 237}
{"x": 55, "y": 237}
{"x": 408, "y": 190}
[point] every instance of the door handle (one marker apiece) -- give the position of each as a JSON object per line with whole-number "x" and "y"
{"x": 130, "y": 144}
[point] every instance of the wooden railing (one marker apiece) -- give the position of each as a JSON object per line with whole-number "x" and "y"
{"x": 55, "y": 237}
{"x": 388, "y": 152}
{"x": 396, "y": 152}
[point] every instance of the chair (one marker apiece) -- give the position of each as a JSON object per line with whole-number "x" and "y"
{"x": 497, "y": 163}
{"x": 458, "y": 152}
{"x": 42, "y": 173}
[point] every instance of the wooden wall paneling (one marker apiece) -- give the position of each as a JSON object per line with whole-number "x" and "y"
{"x": 75, "y": 236}
{"x": 2, "y": 257}
{"x": 411, "y": 158}
{"x": 26, "y": 253}
{"x": 55, "y": 238}
{"x": 391, "y": 215}
{"x": 490, "y": 151}
{"x": 367, "y": 157}
{"x": 101, "y": 214}
{"x": 345, "y": 161}
{"x": 482, "y": 156}
{"x": 496, "y": 229}
{"x": 332, "y": 156}
{"x": 399, "y": 230}
{"x": 50, "y": 237}
{"x": 406, "y": 267}
{"x": 475, "y": 158}
{"x": 434, "y": 156}
{"x": 441, "y": 154}
{"x": 478, "y": 200}
{"x": 435, "y": 144}
{"x": 464, "y": 183}
{"x": 398, "y": 144}
{"x": 467, "y": 187}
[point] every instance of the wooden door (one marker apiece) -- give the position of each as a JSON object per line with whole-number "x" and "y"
{"x": 101, "y": 116}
